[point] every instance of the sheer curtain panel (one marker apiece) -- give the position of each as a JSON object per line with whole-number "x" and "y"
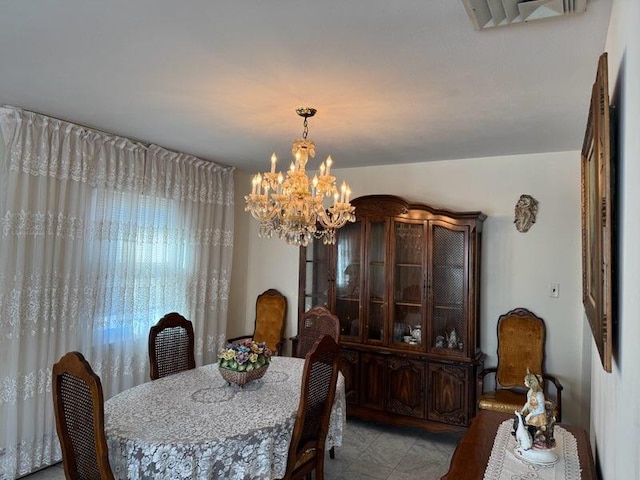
{"x": 101, "y": 236}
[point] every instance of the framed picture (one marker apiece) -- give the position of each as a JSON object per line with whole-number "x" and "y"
{"x": 597, "y": 203}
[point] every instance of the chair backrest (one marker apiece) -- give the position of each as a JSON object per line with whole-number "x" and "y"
{"x": 79, "y": 410}
{"x": 521, "y": 337}
{"x": 171, "y": 346}
{"x": 316, "y": 322}
{"x": 271, "y": 315}
{"x": 314, "y": 410}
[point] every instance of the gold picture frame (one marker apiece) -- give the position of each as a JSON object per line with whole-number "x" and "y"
{"x": 597, "y": 204}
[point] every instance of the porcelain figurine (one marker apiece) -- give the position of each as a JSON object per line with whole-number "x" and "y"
{"x": 523, "y": 437}
{"x": 452, "y": 339}
{"x": 534, "y": 409}
{"x": 416, "y": 333}
{"x": 533, "y": 425}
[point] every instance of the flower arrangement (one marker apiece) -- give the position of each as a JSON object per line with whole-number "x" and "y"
{"x": 244, "y": 357}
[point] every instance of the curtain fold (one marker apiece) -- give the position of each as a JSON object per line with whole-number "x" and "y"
{"x": 100, "y": 237}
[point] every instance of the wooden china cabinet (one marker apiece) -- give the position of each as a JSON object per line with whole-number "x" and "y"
{"x": 404, "y": 279}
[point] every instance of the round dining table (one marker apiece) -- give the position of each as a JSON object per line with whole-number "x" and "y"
{"x": 194, "y": 425}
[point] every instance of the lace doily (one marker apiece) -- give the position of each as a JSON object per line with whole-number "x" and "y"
{"x": 505, "y": 465}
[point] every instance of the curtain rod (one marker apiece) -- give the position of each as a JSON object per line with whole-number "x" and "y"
{"x": 77, "y": 124}
{"x": 144, "y": 144}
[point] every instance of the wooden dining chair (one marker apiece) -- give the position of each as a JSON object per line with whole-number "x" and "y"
{"x": 316, "y": 322}
{"x": 306, "y": 450}
{"x": 270, "y": 321}
{"x": 521, "y": 341}
{"x": 78, "y": 405}
{"x": 171, "y": 346}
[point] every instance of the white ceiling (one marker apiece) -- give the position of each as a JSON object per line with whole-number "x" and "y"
{"x": 393, "y": 81}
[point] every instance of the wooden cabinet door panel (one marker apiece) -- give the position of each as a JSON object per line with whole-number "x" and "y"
{"x": 372, "y": 384}
{"x": 448, "y": 394}
{"x": 349, "y": 366}
{"x": 406, "y": 387}
{"x": 448, "y": 326}
{"x": 348, "y": 281}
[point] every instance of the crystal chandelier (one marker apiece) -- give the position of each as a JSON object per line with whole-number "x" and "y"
{"x": 293, "y": 207}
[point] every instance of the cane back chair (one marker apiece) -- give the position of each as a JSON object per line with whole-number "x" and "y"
{"x": 171, "y": 346}
{"x": 306, "y": 450}
{"x": 316, "y": 322}
{"x": 78, "y": 405}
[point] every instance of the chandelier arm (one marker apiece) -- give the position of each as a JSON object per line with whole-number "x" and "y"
{"x": 335, "y": 218}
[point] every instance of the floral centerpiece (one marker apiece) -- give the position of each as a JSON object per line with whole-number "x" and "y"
{"x": 244, "y": 362}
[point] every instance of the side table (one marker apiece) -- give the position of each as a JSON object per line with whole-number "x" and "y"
{"x": 471, "y": 456}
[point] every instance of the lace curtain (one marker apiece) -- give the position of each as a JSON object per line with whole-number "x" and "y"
{"x": 100, "y": 236}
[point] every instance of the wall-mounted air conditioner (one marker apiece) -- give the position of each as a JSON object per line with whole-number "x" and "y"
{"x": 496, "y": 13}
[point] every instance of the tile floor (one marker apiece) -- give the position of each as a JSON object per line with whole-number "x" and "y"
{"x": 370, "y": 452}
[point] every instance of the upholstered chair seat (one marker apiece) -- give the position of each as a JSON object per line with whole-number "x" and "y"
{"x": 503, "y": 400}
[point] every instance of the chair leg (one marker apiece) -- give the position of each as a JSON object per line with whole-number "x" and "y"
{"x": 318, "y": 472}
{"x": 332, "y": 452}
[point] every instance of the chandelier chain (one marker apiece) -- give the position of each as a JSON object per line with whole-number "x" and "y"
{"x": 305, "y": 131}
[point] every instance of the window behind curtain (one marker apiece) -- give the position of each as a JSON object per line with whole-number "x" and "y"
{"x": 144, "y": 257}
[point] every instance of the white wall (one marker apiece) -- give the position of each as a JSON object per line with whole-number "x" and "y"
{"x": 239, "y": 313}
{"x": 615, "y": 396}
{"x": 258, "y": 264}
{"x": 517, "y": 269}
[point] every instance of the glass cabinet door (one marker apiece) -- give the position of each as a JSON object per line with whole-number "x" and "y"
{"x": 376, "y": 280}
{"x": 408, "y": 283}
{"x": 448, "y": 326}
{"x": 317, "y": 276}
{"x": 348, "y": 281}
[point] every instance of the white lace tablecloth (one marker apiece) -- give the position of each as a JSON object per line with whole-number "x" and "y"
{"x": 505, "y": 465}
{"x": 193, "y": 425}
